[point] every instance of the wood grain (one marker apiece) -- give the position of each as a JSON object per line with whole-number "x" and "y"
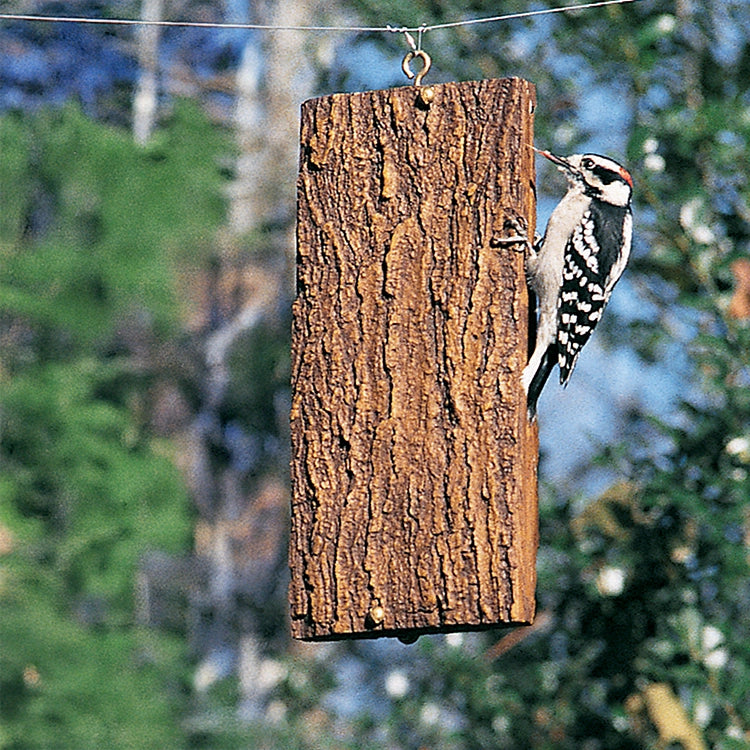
{"x": 413, "y": 465}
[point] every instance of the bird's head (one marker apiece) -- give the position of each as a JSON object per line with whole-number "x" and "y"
{"x": 596, "y": 175}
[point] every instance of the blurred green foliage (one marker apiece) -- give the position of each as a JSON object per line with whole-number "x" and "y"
{"x": 93, "y": 233}
{"x": 110, "y": 224}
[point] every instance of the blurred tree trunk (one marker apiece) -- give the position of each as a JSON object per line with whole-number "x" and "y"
{"x": 249, "y": 284}
{"x": 274, "y": 77}
{"x": 147, "y": 90}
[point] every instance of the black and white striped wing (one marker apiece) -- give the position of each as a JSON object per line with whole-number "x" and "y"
{"x": 594, "y": 261}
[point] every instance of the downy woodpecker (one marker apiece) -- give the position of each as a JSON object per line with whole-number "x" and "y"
{"x": 577, "y": 263}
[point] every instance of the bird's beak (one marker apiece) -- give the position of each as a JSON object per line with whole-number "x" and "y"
{"x": 562, "y": 164}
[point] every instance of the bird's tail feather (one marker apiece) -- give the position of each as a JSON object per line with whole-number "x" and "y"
{"x": 539, "y": 379}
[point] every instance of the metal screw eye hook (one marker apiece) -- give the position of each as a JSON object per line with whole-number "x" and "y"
{"x": 406, "y": 67}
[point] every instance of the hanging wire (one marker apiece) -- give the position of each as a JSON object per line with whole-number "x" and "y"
{"x": 269, "y": 27}
{"x": 524, "y": 14}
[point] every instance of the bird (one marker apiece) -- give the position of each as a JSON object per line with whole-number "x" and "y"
{"x": 575, "y": 265}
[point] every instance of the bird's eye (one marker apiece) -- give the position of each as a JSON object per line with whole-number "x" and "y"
{"x": 587, "y": 163}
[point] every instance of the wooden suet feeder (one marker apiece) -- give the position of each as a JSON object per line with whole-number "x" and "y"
{"x": 414, "y": 503}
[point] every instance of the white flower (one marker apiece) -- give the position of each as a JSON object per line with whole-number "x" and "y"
{"x": 430, "y": 713}
{"x": 397, "y": 684}
{"x": 702, "y": 713}
{"x": 610, "y": 581}
{"x": 689, "y": 212}
{"x": 711, "y": 637}
{"x": 695, "y": 219}
{"x": 650, "y": 146}
{"x": 703, "y": 234}
{"x": 206, "y": 675}
{"x": 501, "y": 724}
{"x": 739, "y": 446}
{"x": 716, "y": 659}
{"x": 270, "y": 673}
{"x": 666, "y": 24}
{"x": 654, "y": 163}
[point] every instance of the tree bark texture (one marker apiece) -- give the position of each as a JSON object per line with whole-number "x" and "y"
{"x": 414, "y": 466}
